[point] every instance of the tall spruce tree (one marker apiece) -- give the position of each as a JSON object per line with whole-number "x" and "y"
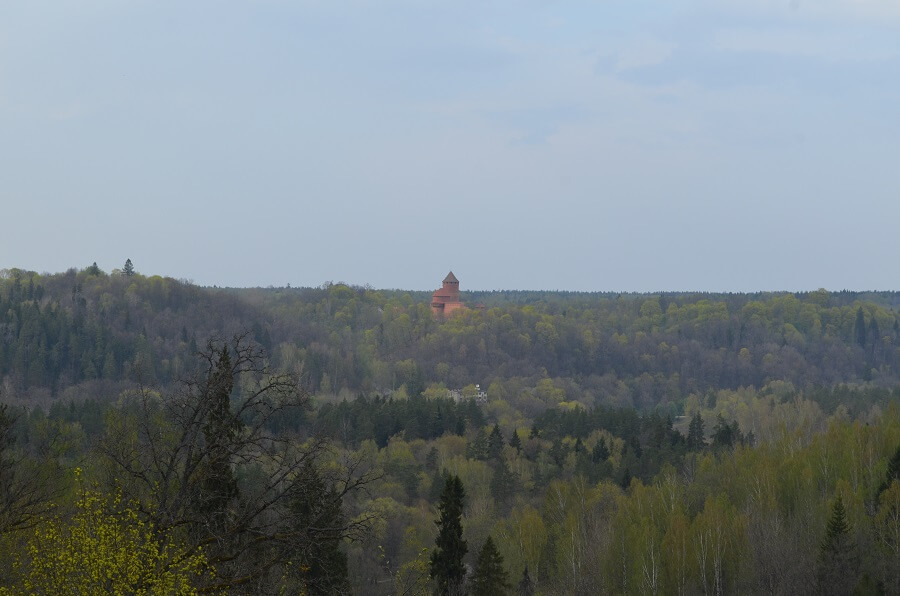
{"x": 218, "y": 487}
{"x": 503, "y": 484}
{"x": 695, "y": 438}
{"x": 320, "y": 562}
{"x": 600, "y": 452}
{"x": 860, "y": 328}
{"x": 447, "y": 567}
{"x": 495, "y": 443}
{"x": 838, "y": 564}
{"x": 478, "y": 448}
{"x": 490, "y": 577}
{"x": 128, "y": 268}
{"x": 515, "y": 441}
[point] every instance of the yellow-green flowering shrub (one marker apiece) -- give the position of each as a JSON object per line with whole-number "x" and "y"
{"x": 104, "y": 548}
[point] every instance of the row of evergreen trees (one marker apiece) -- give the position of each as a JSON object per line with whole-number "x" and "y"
{"x": 489, "y": 578}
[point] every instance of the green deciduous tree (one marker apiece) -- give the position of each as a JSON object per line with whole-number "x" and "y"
{"x": 104, "y": 548}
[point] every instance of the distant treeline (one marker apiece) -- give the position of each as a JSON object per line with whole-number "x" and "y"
{"x": 98, "y": 331}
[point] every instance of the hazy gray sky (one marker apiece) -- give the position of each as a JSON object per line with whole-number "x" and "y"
{"x": 591, "y": 145}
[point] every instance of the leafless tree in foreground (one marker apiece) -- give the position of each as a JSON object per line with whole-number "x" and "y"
{"x": 205, "y": 465}
{"x": 27, "y": 485}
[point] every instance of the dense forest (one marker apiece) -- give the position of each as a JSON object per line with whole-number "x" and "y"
{"x": 160, "y": 437}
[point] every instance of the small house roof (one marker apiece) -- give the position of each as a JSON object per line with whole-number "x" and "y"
{"x": 451, "y": 278}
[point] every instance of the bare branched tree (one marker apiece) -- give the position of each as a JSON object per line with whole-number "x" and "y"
{"x": 26, "y": 482}
{"x": 205, "y": 464}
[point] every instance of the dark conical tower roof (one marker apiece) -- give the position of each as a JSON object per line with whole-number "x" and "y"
{"x": 451, "y": 278}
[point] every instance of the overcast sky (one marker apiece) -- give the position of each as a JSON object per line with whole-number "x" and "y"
{"x": 592, "y": 145}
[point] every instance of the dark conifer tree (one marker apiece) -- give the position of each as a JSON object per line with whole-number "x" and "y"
{"x": 447, "y": 567}
{"x": 874, "y": 332}
{"x": 490, "y": 577}
{"x": 600, "y": 452}
{"x": 695, "y": 438}
{"x": 723, "y": 433}
{"x": 218, "y": 487}
{"x": 503, "y": 484}
{"x": 460, "y": 428}
{"x": 893, "y": 472}
{"x": 321, "y": 564}
{"x": 437, "y": 485}
{"x": 495, "y": 442}
{"x": 860, "y": 327}
{"x": 526, "y": 586}
{"x": 558, "y": 452}
{"x": 515, "y": 442}
{"x": 874, "y": 336}
{"x": 626, "y": 479}
{"x": 431, "y": 459}
{"x": 478, "y": 448}
{"x": 128, "y": 268}
{"x": 838, "y": 565}
{"x": 750, "y": 439}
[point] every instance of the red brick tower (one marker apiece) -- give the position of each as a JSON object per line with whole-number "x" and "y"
{"x": 446, "y": 300}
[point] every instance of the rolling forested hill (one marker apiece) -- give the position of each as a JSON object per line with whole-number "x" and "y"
{"x": 306, "y": 439}
{"x": 86, "y": 333}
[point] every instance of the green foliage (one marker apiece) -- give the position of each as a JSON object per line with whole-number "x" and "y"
{"x": 541, "y": 348}
{"x": 447, "y": 559}
{"x": 526, "y": 586}
{"x": 380, "y": 418}
{"x": 860, "y": 328}
{"x": 219, "y": 486}
{"x": 495, "y": 443}
{"x": 104, "y": 548}
{"x": 615, "y": 488}
{"x": 696, "y": 438}
{"x": 838, "y": 565}
{"x": 490, "y": 577}
{"x": 504, "y": 485}
{"x": 893, "y": 472}
{"x": 515, "y": 441}
{"x": 29, "y": 474}
{"x": 321, "y": 565}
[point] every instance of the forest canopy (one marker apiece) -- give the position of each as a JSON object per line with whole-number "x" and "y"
{"x": 343, "y": 439}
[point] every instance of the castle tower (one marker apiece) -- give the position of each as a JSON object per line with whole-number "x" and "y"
{"x": 446, "y": 300}
{"x": 451, "y": 285}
